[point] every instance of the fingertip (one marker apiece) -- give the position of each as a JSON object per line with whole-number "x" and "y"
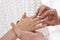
{"x": 24, "y": 15}
{"x": 12, "y": 24}
{"x": 17, "y": 21}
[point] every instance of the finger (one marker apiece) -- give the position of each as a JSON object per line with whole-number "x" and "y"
{"x": 45, "y": 19}
{"x": 56, "y": 16}
{"x": 45, "y": 14}
{"x": 16, "y": 30}
{"x": 17, "y": 22}
{"x": 48, "y": 21}
{"x": 39, "y": 33}
{"x": 37, "y": 18}
{"x": 52, "y": 14}
{"x": 12, "y": 24}
{"x": 52, "y": 11}
{"x": 51, "y": 23}
{"x": 36, "y": 14}
{"x": 38, "y": 22}
{"x": 36, "y": 31}
{"x": 24, "y": 15}
{"x": 39, "y": 26}
{"x": 43, "y": 8}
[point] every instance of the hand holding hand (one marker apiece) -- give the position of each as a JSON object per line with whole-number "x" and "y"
{"x": 48, "y": 15}
{"x": 25, "y": 35}
{"x": 29, "y": 23}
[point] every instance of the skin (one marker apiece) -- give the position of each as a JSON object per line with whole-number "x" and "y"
{"x": 59, "y": 20}
{"x": 29, "y": 23}
{"x": 26, "y": 24}
{"x": 26, "y": 35}
{"x": 48, "y": 15}
{"x": 43, "y": 12}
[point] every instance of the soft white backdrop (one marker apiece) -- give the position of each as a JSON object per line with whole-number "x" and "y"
{"x": 11, "y": 10}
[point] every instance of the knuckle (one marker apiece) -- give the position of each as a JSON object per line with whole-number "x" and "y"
{"x": 44, "y": 6}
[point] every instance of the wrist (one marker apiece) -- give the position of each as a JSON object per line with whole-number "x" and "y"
{"x": 12, "y": 35}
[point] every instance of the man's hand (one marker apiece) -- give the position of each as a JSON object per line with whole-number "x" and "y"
{"x": 25, "y": 35}
{"x": 48, "y": 15}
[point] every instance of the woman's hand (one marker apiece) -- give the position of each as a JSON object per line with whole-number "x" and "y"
{"x": 48, "y": 15}
{"x": 29, "y": 23}
{"x": 25, "y": 35}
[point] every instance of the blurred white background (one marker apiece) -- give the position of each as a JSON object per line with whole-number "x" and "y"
{"x": 12, "y": 10}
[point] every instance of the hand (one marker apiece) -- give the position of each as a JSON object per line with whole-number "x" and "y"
{"x": 25, "y": 35}
{"x": 48, "y": 15}
{"x": 29, "y": 23}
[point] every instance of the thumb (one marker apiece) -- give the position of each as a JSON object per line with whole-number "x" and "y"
{"x": 16, "y": 30}
{"x": 24, "y": 15}
{"x": 39, "y": 33}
